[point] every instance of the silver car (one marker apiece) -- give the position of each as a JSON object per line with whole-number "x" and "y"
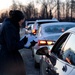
{"x": 38, "y": 23}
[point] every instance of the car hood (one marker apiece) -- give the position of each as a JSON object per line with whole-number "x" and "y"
{"x": 52, "y": 36}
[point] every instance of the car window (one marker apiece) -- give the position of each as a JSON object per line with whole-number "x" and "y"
{"x": 59, "y": 43}
{"x": 69, "y": 50}
{"x": 65, "y": 49}
{"x": 43, "y": 22}
{"x": 57, "y": 28}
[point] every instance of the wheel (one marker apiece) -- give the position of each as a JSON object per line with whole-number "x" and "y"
{"x": 43, "y": 68}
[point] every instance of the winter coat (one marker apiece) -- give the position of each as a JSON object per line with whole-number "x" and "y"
{"x": 10, "y": 44}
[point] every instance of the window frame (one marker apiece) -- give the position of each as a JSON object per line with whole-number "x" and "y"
{"x": 57, "y": 47}
{"x": 63, "y": 38}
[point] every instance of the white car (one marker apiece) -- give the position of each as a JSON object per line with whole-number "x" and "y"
{"x": 37, "y": 24}
{"x": 61, "y": 60}
{"x": 29, "y": 26}
{"x": 47, "y": 32}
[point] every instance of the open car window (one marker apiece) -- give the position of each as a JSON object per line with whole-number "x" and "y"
{"x": 59, "y": 44}
{"x": 65, "y": 48}
{"x": 69, "y": 50}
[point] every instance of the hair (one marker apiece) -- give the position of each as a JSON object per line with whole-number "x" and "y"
{"x": 16, "y": 15}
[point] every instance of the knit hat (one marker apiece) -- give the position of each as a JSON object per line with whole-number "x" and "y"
{"x": 16, "y": 15}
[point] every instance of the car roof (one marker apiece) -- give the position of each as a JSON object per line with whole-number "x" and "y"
{"x": 29, "y": 21}
{"x": 44, "y": 20}
{"x": 57, "y": 23}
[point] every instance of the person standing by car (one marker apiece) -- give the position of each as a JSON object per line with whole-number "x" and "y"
{"x": 11, "y": 62}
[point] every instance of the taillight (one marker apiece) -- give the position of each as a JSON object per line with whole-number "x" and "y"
{"x": 42, "y": 42}
{"x": 34, "y": 31}
{"x": 45, "y": 42}
{"x": 49, "y": 42}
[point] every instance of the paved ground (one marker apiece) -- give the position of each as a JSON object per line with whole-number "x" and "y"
{"x": 29, "y": 62}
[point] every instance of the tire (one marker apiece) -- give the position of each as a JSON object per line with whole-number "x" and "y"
{"x": 43, "y": 67}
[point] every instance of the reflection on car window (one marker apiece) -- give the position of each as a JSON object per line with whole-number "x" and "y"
{"x": 57, "y": 28}
{"x": 66, "y": 51}
{"x": 69, "y": 50}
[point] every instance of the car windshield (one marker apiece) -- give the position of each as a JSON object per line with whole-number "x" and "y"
{"x": 57, "y": 28}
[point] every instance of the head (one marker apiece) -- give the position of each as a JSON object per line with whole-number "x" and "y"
{"x": 16, "y": 16}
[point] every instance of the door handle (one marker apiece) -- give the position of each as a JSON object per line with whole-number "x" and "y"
{"x": 64, "y": 68}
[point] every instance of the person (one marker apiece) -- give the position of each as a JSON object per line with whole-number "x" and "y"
{"x": 11, "y": 62}
{"x": 69, "y": 56}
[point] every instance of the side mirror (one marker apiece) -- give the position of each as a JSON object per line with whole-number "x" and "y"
{"x": 42, "y": 51}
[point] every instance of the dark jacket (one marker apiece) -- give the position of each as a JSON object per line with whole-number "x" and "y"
{"x": 10, "y": 44}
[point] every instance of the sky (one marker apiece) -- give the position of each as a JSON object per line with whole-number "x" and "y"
{"x": 4, "y": 4}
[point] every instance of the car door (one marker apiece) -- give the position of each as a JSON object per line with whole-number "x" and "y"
{"x": 59, "y": 54}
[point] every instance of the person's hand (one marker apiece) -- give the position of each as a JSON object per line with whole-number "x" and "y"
{"x": 32, "y": 43}
{"x": 68, "y": 60}
{"x": 25, "y": 39}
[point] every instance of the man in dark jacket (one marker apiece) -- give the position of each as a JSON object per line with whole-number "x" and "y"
{"x": 11, "y": 62}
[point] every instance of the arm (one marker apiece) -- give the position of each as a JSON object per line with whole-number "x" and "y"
{"x": 10, "y": 39}
{"x": 68, "y": 60}
{"x": 67, "y": 56}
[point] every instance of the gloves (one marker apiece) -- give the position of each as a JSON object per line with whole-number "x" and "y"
{"x": 32, "y": 44}
{"x": 25, "y": 39}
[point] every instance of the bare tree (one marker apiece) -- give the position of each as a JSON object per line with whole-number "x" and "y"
{"x": 72, "y": 8}
{"x": 48, "y": 7}
{"x": 58, "y": 9}
{"x": 21, "y": 7}
{"x": 14, "y": 5}
{"x": 31, "y": 11}
{"x": 4, "y": 15}
{"x": 44, "y": 10}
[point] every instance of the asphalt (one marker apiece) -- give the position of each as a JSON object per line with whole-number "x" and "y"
{"x": 29, "y": 62}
